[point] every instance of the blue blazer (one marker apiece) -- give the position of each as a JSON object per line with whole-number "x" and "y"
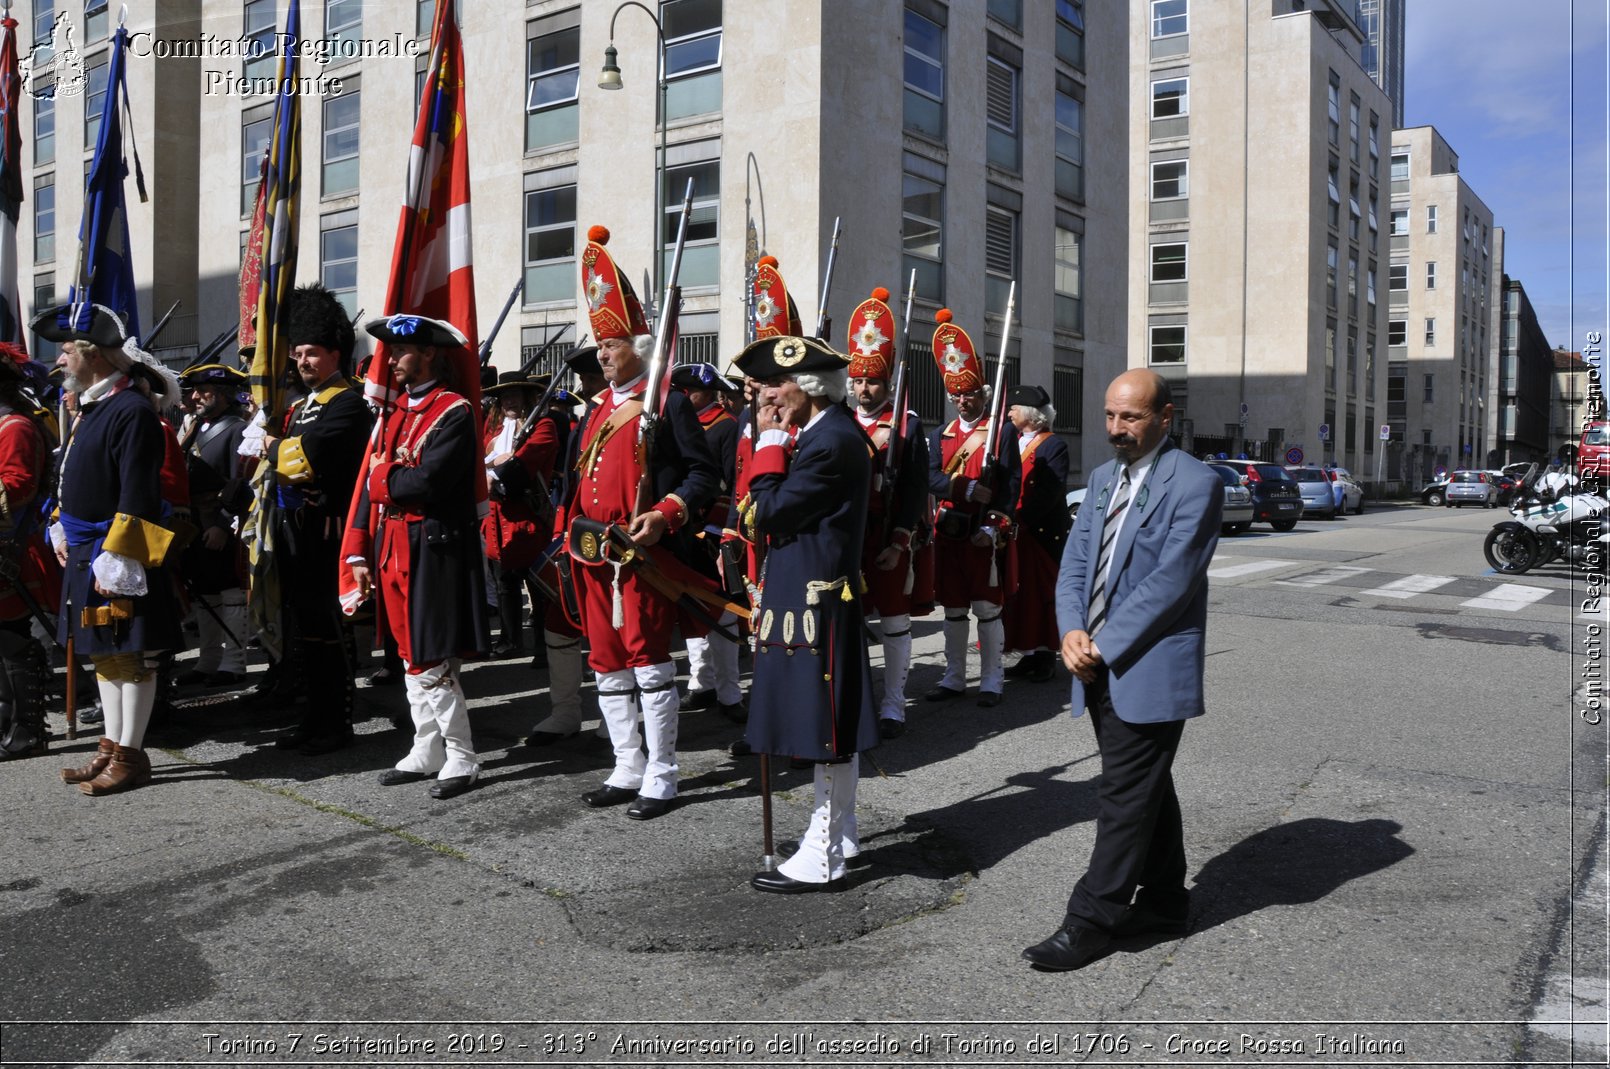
{"x": 1157, "y": 589}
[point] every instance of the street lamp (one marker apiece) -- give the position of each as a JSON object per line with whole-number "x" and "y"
{"x": 610, "y": 78}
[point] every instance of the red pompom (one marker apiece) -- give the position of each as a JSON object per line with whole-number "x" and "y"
{"x": 943, "y": 316}
{"x": 767, "y": 261}
{"x": 598, "y": 234}
{"x": 880, "y": 294}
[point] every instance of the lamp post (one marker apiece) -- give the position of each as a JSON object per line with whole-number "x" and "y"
{"x": 610, "y": 78}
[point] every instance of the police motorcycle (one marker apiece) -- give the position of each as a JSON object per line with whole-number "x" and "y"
{"x": 1553, "y": 519}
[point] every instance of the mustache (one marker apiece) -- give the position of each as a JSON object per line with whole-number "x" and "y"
{"x": 1122, "y": 439}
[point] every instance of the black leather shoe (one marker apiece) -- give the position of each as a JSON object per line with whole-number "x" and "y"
{"x": 607, "y": 796}
{"x": 1068, "y": 949}
{"x": 452, "y": 786}
{"x": 649, "y": 808}
{"x": 988, "y": 699}
{"x": 1023, "y": 667}
{"x": 740, "y": 747}
{"x": 384, "y": 677}
{"x": 1140, "y": 920}
{"x": 737, "y": 712}
{"x": 396, "y": 777}
{"x": 890, "y": 728}
{"x": 859, "y": 861}
{"x": 699, "y": 699}
{"x": 92, "y": 714}
{"x": 314, "y": 745}
{"x": 548, "y": 738}
{"x": 503, "y": 651}
{"x": 942, "y": 694}
{"x": 778, "y": 884}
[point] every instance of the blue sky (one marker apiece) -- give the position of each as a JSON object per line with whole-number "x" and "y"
{"x": 1495, "y": 77}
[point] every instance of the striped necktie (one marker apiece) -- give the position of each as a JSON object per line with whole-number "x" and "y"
{"x": 1109, "y": 538}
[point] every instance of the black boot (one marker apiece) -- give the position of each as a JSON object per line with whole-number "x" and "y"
{"x": 22, "y": 680}
{"x": 330, "y": 697}
{"x": 511, "y": 614}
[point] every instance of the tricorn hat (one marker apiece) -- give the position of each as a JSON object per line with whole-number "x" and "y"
{"x": 772, "y": 358}
{"x": 611, "y": 304}
{"x": 94, "y": 323}
{"x": 699, "y": 376}
{"x": 211, "y": 375}
{"x": 872, "y": 337}
{"x": 1029, "y": 396}
{"x": 955, "y": 355}
{"x": 775, "y": 314}
{"x": 515, "y": 380}
{"x": 416, "y": 330}
{"x": 584, "y": 360}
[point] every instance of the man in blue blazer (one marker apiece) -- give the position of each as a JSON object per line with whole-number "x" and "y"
{"x": 1132, "y": 608}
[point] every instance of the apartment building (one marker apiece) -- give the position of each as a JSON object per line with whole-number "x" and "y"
{"x": 1576, "y": 396}
{"x": 1257, "y": 196}
{"x": 973, "y": 141}
{"x": 1518, "y": 404}
{"x": 1443, "y": 286}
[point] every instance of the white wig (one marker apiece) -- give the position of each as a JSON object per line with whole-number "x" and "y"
{"x": 1042, "y": 416}
{"x": 643, "y": 345}
{"x": 833, "y": 385}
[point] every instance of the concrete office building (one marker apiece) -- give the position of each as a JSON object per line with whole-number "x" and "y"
{"x": 976, "y": 141}
{"x": 1518, "y": 405}
{"x": 1446, "y": 269}
{"x": 1382, "y": 56}
{"x": 1257, "y": 194}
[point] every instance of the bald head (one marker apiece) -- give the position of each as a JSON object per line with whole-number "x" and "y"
{"x": 1139, "y": 409}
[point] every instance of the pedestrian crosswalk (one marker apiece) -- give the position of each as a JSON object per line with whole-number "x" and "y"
{"x": 1485, "y": 593}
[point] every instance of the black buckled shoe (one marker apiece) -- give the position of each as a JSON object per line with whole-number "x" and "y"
{"x": 452, "y": 786}
{"x": 699, "y": 699}
{"x": 989, "y": 699}
{"x": 329, "y": 742}
{"x": 649, "y": 808}
{"x": 1068, "y": 949}
{"x": 890, "y": 728}
{"x": 778, "y": 884}
{"x": 737, "y": 712}
{"x": 396, "y": 777}
{"x": 608, "y": 795}
{"x": 942, "y": 694}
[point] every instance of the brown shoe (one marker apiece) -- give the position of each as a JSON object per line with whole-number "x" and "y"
{"x": 96, "y": 765}
{"x": 130, "y": 768}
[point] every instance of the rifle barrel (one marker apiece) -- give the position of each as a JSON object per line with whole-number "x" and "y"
{"x": 827, "y": 281}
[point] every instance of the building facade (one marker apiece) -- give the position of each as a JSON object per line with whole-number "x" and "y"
{"x": 1519, "y": 401}
{"x": 973, "y": 141}
{"x": 1382, "y": 56}
{"x": 1257, "y": 197}
{"x": 1575, "y": 398}
{"x": 1443, "y": 282}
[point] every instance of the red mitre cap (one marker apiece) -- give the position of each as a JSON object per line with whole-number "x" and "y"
{"x": 775, "y": 314}
{"x": 954, "y": 353}
{"x": 872, "y": 337}
{"x": 611, "y": 304}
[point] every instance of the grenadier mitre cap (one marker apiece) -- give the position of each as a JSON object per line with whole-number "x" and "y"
{"x": 774, "y": 358}
{"x": 872, "y": 337}
{"x": 775, "y": 314}
{"x": 954, "y": 353}
{"x": 612, "y": 306}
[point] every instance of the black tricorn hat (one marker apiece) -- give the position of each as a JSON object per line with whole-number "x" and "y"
{"x": 699, "y": 376}
{"x": 405, "y": 329}
{"x": 94, "y": 323}
{"x": 316, "y": 317}
{"x": 584, "y": 360}
{"x": 1030, "y": 396}
{"x": 211, "y": 375}
{"x": 771, "y": 358}
{"x": 516, "y": 380}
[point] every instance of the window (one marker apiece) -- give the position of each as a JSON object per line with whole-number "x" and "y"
{"x": 1431, "y": 274}
{"x": 1431, "y": 331}
{"x": 95, "y": 27}
{"x": 1000, "y": 256}
{"x": 1000, "y": 111}
{"x": 94, "y": 100}
{"x": 1067, "y": 280}
{"x": 338, "y": 258}
{"x": 254, "y": 137}
{"x": 1431, "y": 218}
{"x": 424, "y": 17}
{"x": 44, "y": 129}
{"x": 1171, "y": 180}
{"x": 1369, "y": 371}
{"x": 1397, "y": 278}
{"x": 44, "y": 297}
{"x": 1168, "y": 262}
{"x": 1333, "y": 196}
{"x": 44, "y": 22}
{"x": 340, "y": 174}
{"x": 1400, "y": 222}
{"x": 1330, "y": 276}
{"x": 1352, "y": 282}
{"x": 1353, "y": 212}
{"x": 1071, "y": 32}
{"x": 1171, "y": 98}
{"x": 1006, "y": 12}
{"x": 45, "y": 219}
{"x": 1170, "y": 18}
{"x": 343, "y": 20}
{"x": 1430, "y": 392}
{"x": 1070, "y": 152}
{"x": 1400, "y": 166}
{"x": 1369, "y": 284}
{"x": 261, "y": 61}
{"x": 1397, "y": 332}
{"x": 1067, "y": 394}
{"x": 1375, "y": 223}
{"x": 553, "y": 57}
{"x": 692, "y": 56}
{"x": 922, "y": 229}
{"x": 550, "y": 244}
{"x": 1330, "y": 360}
{"x": 925, "y": 77}
{"x": 1352, "y": 127}
{"x": 1375, "y": 141}
{"x": 1333, "y": 107}
{"x": 1167, "y": 344}
{"x": 1352, "y": 360}
{"x": 700, "y": 260}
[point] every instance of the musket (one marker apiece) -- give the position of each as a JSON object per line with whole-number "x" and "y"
{"x": 486, "y": 343}
{"x": 358, "y": 318}
{"x": 527, "y": 366}
{"x": 824, "y": 322}
{"x": 662, "y": 357}
{"x": 990, "y": 474}
{"x": 649, "y": 310}
{"x": 897, "y": 424}
{"x": 219, "y": 342}
{"x": 151, "y": 338}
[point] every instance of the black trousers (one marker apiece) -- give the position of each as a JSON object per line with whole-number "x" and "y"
{"x": 1140, "y": 842}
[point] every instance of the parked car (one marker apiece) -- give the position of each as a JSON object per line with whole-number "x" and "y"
{"x": 1507, "y": 485}
{"x": 1593, "y": 451}
{"x": 1468, "y": 487}
{"x": 1276, "y": 499}
{"x": 1075, "y": 498}
{"x": 1435, "y": 491}
{"x": 1237, "y": 500}
{"x": 1352, "y": 492}
{"x": 1318, "y": 497}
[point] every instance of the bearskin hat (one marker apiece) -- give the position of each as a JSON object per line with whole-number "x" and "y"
{"x": 317, "y": 318}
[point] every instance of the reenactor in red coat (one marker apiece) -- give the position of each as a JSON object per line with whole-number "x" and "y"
{"x": 975, "y": 566}
{"x": 1042, "y": 531}
{"x": 892, "y": 559}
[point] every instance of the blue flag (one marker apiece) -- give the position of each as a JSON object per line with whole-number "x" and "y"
{"x": 105, "y": 274}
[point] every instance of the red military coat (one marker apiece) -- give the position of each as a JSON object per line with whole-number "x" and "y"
{"x": 512, "y": 532}
{"x": 24, "y": 459}
{"x": 965, "y": 572}
{"x": 908, "y": 587}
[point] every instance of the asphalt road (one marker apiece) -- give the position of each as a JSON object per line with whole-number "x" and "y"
{"x": 1394, "y": 813}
